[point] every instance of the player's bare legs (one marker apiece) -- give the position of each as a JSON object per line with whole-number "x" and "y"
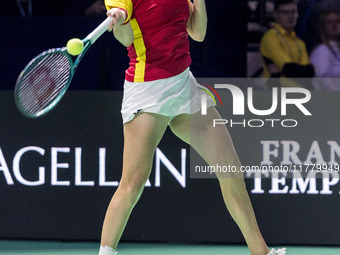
{"x": 141, "y": 137}
{"x": 215, "y": 146}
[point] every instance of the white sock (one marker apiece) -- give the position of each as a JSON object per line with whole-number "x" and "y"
{"x": 107, "y": 251}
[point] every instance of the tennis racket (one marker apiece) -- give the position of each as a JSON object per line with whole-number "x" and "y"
{"x": 46, "y": 78}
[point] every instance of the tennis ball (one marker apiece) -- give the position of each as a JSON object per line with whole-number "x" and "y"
{"x": 75, "y": 46}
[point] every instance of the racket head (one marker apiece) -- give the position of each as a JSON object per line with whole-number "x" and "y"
{"x": 43, "y": 82}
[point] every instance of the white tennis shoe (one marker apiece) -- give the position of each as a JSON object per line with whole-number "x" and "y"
{"x": 278, "y": 252}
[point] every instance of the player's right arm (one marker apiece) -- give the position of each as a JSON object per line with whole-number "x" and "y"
{"x": 120, "y": 11}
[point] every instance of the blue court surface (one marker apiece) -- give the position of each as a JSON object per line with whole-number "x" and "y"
{"x": 59, "y": 248}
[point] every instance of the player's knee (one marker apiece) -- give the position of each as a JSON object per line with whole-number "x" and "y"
{"x": 232, "y": 183}
{"x": 225, "y": 176}
{"x": 133, "y": 189}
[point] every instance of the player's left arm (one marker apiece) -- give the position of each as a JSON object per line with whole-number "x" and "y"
{"x": 197, "y": 23}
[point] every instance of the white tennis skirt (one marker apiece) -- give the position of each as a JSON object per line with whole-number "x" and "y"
{"x": 180, "y": 94}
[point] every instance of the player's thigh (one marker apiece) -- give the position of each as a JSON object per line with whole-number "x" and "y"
{"x": 141, "y": 137}
{"x": 214, "y": 144}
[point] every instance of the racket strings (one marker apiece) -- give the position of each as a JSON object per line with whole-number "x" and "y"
{"x": 43, "y": 82}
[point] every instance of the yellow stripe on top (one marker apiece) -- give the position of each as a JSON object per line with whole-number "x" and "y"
{"x": 140, "y": 52}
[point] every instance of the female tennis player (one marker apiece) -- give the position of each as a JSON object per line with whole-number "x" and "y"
{"x": 160, "y": 91}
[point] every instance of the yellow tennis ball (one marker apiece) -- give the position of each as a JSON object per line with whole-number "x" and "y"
{"x": 75, "y": 46}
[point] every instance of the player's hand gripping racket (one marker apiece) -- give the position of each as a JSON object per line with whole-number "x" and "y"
{"x": 45, "y": 79}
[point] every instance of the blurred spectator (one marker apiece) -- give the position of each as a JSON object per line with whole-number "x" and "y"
{"x": 326, "y": 56}
{"x": 283, "y": 53}
{"x": 97, "y": 9}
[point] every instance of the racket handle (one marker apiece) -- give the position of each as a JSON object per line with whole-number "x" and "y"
{"x": 99, "y": 30}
